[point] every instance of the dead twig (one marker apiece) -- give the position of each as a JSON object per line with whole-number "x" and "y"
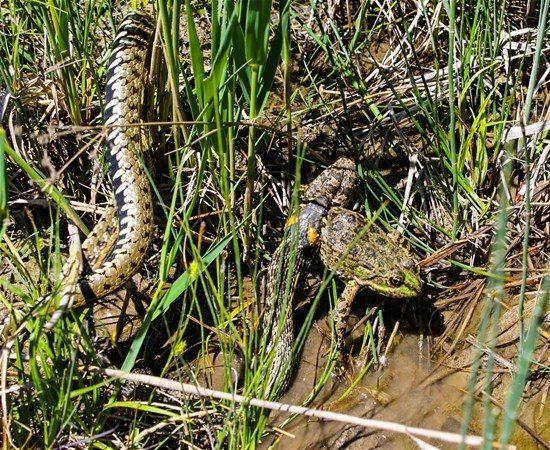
{"x": 475, "y": 441}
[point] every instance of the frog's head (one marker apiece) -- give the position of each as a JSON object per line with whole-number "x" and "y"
{"x": 359, "y": 251}
{"x": 399, "y": 280}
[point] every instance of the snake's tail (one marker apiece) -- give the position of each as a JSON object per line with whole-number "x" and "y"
{"x": 71, "y": 273}
{"x": 95, "y": 249}
{"x": 117, "y": 245}
{"x": 278, "y": 324}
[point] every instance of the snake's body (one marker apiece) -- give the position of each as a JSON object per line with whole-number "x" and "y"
{"x": 351, "y": 247}
{"x": 330, "y": 189}
{"x": 117, "y": 245}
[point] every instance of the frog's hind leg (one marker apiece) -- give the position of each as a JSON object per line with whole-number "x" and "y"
{"x": 341, "y": 314}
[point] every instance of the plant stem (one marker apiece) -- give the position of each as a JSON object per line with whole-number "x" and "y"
{"x": 251, "y": 163}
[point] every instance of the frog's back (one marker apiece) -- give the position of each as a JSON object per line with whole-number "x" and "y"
{"x": 359, "y": 250}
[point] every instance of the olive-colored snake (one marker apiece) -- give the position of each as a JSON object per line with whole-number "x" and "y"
{"x": 117, "y": 246}
{"x": 331, "y": 188}
{"x": 354, "y": 249}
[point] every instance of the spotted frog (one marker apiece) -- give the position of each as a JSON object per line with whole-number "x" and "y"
{"x": 365, "y": 256}
{"x": 359, "y": 252}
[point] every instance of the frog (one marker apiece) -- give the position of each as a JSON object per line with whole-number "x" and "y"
{"x": 364, "y": 256}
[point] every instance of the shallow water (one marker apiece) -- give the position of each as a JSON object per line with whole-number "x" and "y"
{"x": 408, "y": 389}
{"x": 393, "y": 392}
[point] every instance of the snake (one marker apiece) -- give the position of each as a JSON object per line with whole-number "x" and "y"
{"x": 331, "y": 188}
{"x": 117, "y": 245}
{"x": 361, "y": 254}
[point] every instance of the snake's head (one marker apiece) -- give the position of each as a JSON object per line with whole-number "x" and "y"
{"x": 360, "y": 251}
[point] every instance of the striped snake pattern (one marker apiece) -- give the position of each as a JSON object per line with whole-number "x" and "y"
{"x": 117, "y": 245}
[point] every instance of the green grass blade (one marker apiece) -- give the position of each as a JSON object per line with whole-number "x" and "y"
{"x": 43, "y": 183}
{"x": 159, "y": 306}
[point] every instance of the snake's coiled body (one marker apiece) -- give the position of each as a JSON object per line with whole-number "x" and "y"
{"x": 117, "y": 245}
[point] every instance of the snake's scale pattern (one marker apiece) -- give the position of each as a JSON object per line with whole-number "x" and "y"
{"x": 117, "y": 245}
{"x": 331, "y": 188}
{"x": 114, "y": 260}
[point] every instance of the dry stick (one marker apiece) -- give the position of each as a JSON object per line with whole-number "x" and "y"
{"x": 476, "y": 441}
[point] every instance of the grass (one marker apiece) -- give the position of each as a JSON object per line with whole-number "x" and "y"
{"x": 250, "y": 99}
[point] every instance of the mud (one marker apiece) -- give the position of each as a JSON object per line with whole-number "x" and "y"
{"x": 392, "y": 392}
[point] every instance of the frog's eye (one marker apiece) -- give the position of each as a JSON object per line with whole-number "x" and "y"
{"x": 397, "y": 279}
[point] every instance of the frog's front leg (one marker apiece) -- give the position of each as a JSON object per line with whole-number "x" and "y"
{"x": 341, "y": 314}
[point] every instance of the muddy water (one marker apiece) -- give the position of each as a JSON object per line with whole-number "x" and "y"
{"x": 408, "y": 388}
{"x": 393, "y": 392}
